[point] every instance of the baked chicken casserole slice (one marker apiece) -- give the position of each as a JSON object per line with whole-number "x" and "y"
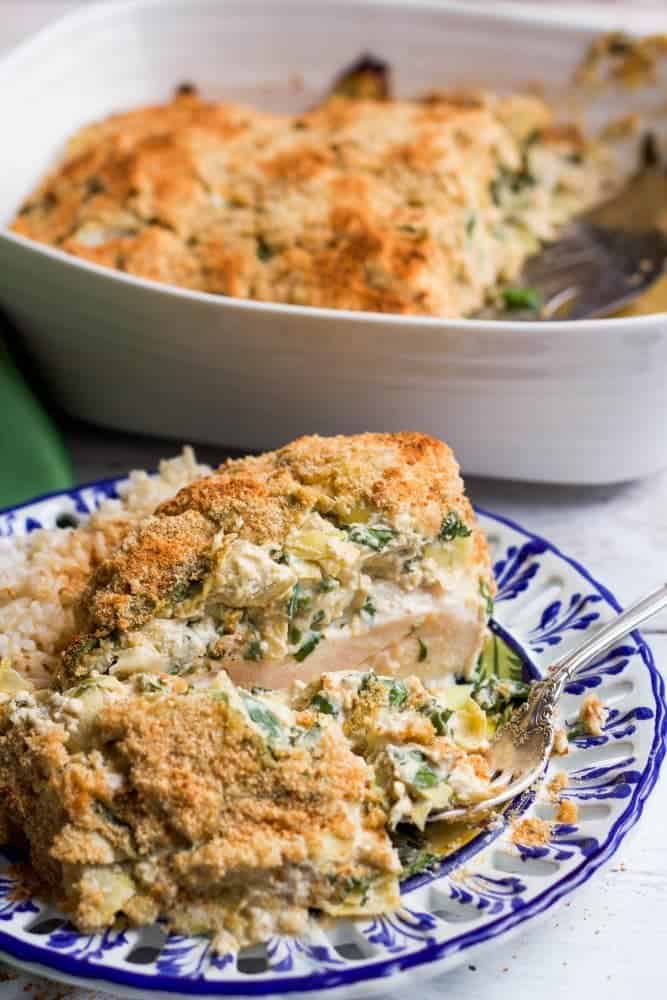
{"x": 231, "y": 812}
{"x": 219, "y": 812}
{"x": 417, "y": 207}
{"x": 278, "y": 672}
{"x": 344, "y": 553}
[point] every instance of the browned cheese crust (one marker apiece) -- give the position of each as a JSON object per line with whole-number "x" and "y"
{"x": 196, "y": 799}
{"x": 358, "y": 204}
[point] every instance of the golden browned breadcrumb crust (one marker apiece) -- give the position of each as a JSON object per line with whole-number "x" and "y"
{"x": 198, "y": 800}
{"x": 358, "y": 204}
{"x": 261, "y": 499}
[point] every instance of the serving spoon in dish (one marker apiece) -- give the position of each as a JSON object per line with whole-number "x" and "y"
{"x": 521, "y": 747}
{"x": 602, "y": 261}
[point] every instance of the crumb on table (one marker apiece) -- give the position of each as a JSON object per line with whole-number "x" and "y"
{"x": 568, "y": 812}
{"x": 561, "y": 746}
{"x": 531, "y": 832}
{"x": 592, "y": 715}
{"x": 557, "y": 784}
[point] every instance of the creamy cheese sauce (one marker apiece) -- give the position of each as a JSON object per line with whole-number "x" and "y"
{"x": 362, "y": 595}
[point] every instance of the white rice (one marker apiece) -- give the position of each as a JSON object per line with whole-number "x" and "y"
{"x": 43, "y": 573}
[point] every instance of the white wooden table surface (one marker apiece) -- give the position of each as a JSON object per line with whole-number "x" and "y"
{"x": 609, "y": 939}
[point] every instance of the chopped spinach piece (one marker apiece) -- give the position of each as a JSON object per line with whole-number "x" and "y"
{"x": 294, "y": 634}
{"x": 85, "y": 685}
{"x": 264, "y": 250}
{"x": 521, "y": 298}
{"x": 324, "y": 705}
{"x": 369, "y": 607}
{"x": 485, "y": 591}
{"x": 471, "y": 222}
{"x": 511, "y": 180}
{"x": 327, "y": 584}
{"x": 453, "y": 527}
{"x": 308, "y": 646}
{"x": 423, "y": 650}
{"x": 253, "y": 650}
{"x": 439, "y": 717}
{"x": 263, "y": 717}
{"x": 372, "y": 538}
{"x": 577, "y": 732}
{"x": 318, "y": 620}
{"x": 366, "y": 681}
{"x": 425, "y": 777}
{"x": 498, "y": 684}
{"x": 350, "y": 885}
{"x": 413, "y": 850}
{"x": 517, "y": 180}
{"x": 398, "y": 694}
{"x": 415, "y": 861}
{"x": 299, "y": 601}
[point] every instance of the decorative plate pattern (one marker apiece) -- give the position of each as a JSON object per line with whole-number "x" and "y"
{"x": 546, "y": 603}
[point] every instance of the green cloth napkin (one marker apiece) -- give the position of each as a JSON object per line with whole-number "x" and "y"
{"x": 33, "y": 459}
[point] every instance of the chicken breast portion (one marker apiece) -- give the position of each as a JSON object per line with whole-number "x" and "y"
{"x": 329, "y": 554}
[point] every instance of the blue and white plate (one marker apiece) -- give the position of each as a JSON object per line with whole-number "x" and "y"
{"x": 489, "y": 888}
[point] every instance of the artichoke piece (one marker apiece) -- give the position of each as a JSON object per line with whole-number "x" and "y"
{"x": 102, "y": 893}
{"x": 469, "y": 727}
{"x": 11, "y": 681}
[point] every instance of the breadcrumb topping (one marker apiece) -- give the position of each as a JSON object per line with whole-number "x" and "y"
{"x": 412, "y": 207}
{"x": 177, "y": 793}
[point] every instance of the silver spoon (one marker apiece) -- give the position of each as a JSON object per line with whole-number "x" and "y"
{"x": 601, "y": 261}
{"x": 521, "y": 748}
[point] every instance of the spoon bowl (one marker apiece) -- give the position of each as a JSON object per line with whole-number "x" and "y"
{"x": 521, "y": 748}
{"x": 601, "y": 261}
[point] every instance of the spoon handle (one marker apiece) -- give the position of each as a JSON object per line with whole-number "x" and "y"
{"x": 563, "y": 669}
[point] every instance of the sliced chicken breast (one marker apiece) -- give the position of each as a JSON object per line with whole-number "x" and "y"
{"x": 329, "y": 554}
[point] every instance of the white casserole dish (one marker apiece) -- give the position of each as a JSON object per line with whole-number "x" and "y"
{"x": 575, "y": 402}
